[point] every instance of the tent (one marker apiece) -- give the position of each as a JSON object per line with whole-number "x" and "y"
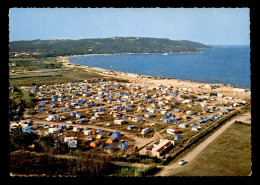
{"x": 76, "y": 129}
{"x": 130, "y": 127}
{"x": 27, "y": 129}
{"x": 101, "y": 109}
{"x": 123, "y": 145}
{"x": 73, "y": 113}
{"x": 110, "y": 141}
{"x": 166, "y": 120}
{"x": 194, "y": 128}
{"x": 108, "y": 149}
{"x": 79, "y": 115}
{"x": 183, "y": 125}
{"x": 116, "y": 134}
{"x": 72, "y": 144}
{"x": 93, "y": 144}
{"x": 99, "y": 131}
{"x": 87, "y": 132}
{"x": 172, "y": 119}
{"x": 99, "y": 136}
{"x": 125, "y": 116}
{"x": 62, "y": 126}
{"x": 177, "y": 137}
{"x": 54, "y": 130}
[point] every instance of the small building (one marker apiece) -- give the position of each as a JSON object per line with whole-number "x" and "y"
{"x": 159, "y": 148}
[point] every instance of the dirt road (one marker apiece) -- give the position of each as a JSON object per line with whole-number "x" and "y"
{"x": 195, "y": 152}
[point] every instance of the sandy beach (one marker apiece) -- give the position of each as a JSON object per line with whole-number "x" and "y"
{"x": 136, "y": 79}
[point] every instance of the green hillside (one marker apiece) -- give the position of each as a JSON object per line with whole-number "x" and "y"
{"x": 196, "y": 45}
{"x": 112, "y": 45}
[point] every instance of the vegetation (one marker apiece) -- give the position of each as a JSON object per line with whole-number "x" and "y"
{"x": 114, "y": 45}
{"x": 87, "y": 164}
{"x": 19, "y": 100}
{"x": 195, "y": 44}
{"x": 124, "y": 171}
{"x": 30, "y": 65}
{"x": 23, "y": 140}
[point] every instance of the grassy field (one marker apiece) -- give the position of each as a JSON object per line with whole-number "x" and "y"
{"x": 57, "y": 77}
{"x": 28, "y": 78}
{"x": 228, "y": 155}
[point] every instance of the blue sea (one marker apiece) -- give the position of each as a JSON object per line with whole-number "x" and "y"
{"x": 222, "y": 64}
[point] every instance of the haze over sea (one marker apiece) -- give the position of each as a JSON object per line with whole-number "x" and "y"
{"x": 222, "y": 64}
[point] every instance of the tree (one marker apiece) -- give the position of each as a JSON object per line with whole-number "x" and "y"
{"x": 12, "y": 109}
{"x": 46, "y": 142}
{"x": 23, "y": 140}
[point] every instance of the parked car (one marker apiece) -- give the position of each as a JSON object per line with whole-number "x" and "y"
{"x": 181, "y": 162}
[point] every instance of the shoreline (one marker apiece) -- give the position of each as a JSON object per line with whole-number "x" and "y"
{"x": 152, "y": 81}
{"x": 183, "y": 52}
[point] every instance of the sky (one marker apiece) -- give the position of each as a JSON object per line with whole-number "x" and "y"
{"x": 212, "y": 26}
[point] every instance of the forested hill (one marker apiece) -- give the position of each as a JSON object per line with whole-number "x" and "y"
{"x": 112, "y": 45}
{"x": 196, "y": 45}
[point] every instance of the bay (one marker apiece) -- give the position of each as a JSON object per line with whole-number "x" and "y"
{"x": 222, "y": 64}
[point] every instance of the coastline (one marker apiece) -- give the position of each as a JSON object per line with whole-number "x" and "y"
{"x": 137, "y": 79}
{"x": 183, "y": 52}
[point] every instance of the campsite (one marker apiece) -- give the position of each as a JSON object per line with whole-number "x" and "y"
{"x": 85, "y": 110}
